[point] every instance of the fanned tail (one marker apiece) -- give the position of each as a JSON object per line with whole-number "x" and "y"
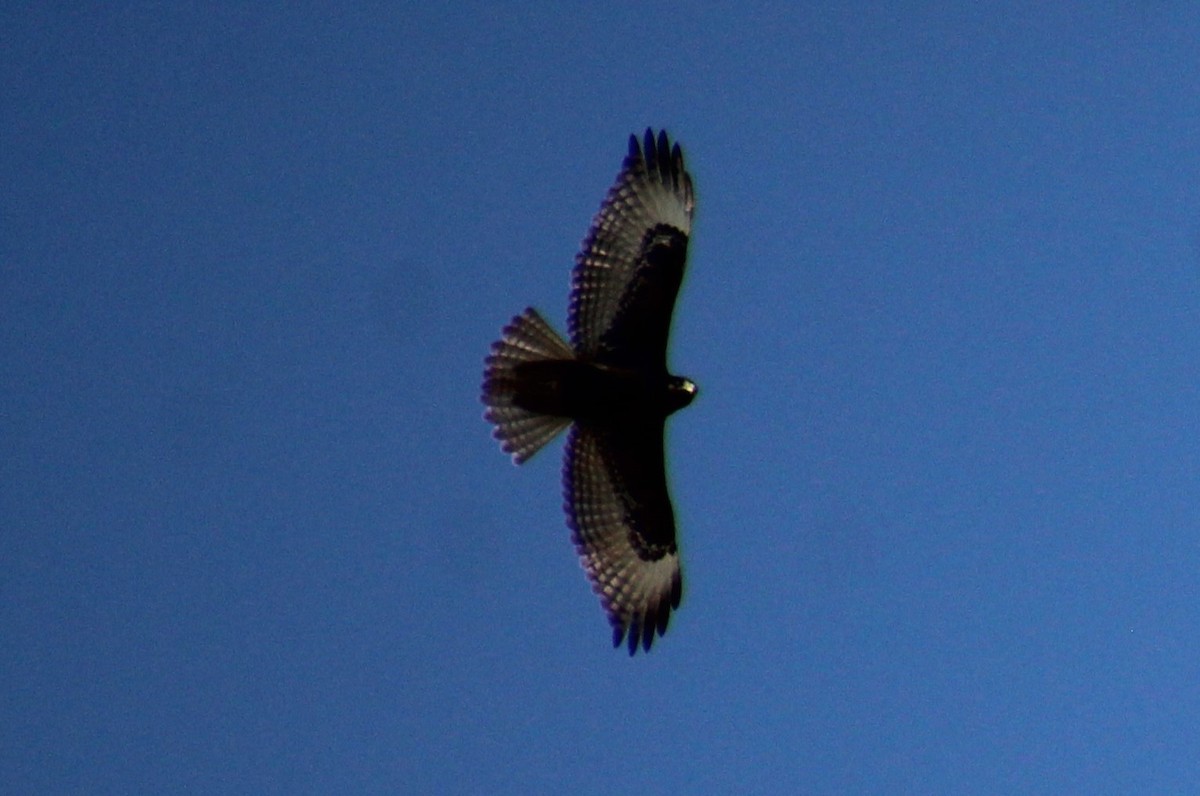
{"x": 527, "y": 338}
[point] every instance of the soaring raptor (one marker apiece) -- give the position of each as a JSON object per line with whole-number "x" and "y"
{"x": 612, "y": 387}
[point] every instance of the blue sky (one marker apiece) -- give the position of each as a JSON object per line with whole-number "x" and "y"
{"x": 938, "y": 498}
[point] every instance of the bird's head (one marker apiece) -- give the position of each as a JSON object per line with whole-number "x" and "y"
{"x": 680, "y": 393}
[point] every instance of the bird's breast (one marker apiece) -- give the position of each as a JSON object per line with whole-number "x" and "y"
{"x": 593, "y": 392}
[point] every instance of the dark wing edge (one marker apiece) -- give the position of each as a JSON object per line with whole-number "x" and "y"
{"x": 619, "y": 512}
{"x": 650, "y": 205}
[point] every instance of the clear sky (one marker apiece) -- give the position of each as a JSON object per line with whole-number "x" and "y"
{"x": 938, "y": 498}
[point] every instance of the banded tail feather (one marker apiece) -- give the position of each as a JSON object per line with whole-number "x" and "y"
{"x": 510, "y": 386}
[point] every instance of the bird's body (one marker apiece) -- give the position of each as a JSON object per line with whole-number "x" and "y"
{"x": 611, "y": 385}
{"x": 591, "y": 392}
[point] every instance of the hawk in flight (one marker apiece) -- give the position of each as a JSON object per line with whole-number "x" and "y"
{"x": 611, "y": 386}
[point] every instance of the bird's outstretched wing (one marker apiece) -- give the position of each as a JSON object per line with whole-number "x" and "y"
{"x": 623, "y": 527}
{"x": 628, "y": 272}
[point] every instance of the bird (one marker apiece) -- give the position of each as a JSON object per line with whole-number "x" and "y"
{"x": 611, "y": 386}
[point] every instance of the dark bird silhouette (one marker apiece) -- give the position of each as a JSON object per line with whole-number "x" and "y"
{"x": 612, "y": 387}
